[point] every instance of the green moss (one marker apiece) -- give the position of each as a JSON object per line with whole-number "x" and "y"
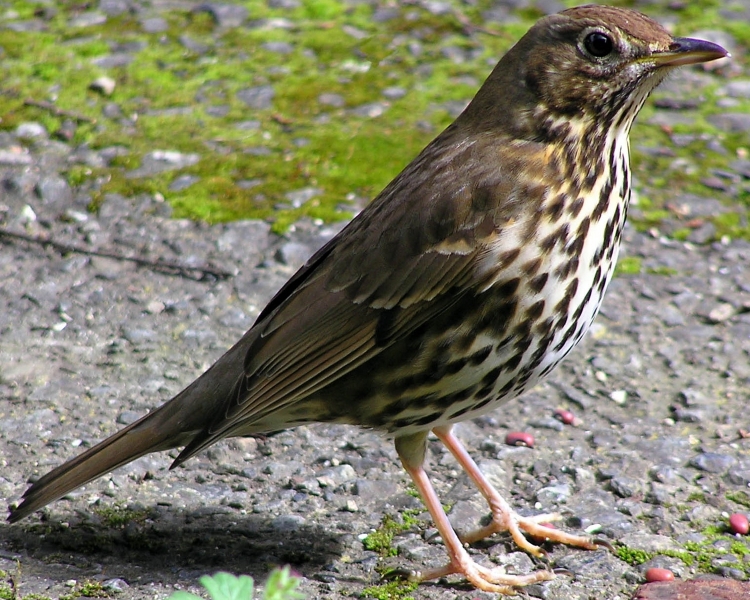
{"x": 734, "y": 225}
{"x": 681, "y": 234}
{"x": 93, "y": 589}
{"x": 683, "y": 555}
{"x": 628, "y": 265}
{"x": 741, "y": 497}
{"x": 87, "y": 589}
{"x": 380, "y": 540}
{"x": 166, "y": 89}
{"x": 661, "y": 271}
{"x": 118, "y": 516}
{"x": 392, "y": 590}
{"x": 633, "y": 556}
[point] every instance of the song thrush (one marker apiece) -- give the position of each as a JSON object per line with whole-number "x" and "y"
{"x": 462, "y": 284}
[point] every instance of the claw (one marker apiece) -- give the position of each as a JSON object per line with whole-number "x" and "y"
{"x": 604, "y": 544}
{"x": 401, "y": 574}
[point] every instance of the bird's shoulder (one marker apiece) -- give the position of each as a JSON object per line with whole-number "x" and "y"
{"x": 435, "y": 218}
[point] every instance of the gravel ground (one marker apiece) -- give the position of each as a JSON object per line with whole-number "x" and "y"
{"x": 657, "y": 457}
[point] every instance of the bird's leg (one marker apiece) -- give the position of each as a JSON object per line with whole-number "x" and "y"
{"x": 411, "y": 450}
{"x": 504, "y": 518}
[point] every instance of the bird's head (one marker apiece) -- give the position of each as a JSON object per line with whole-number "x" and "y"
{"x": 586, "y": 63}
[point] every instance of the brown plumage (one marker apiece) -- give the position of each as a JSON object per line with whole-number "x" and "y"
{"x": 461, "y": 285}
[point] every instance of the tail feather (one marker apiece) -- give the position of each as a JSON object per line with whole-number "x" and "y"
{"x": 134, "y": 441}
{"x": 175, "y": 423}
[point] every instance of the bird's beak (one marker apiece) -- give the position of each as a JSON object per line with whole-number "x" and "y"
{"x": 687, "y": 51}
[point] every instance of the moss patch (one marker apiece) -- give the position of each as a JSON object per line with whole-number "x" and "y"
{"x": 392, "y": 590}
{"x": 335, "y": 123}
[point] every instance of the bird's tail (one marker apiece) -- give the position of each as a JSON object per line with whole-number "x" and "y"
{"x": 173, "y": 424}
{"x": 126, "y": 445}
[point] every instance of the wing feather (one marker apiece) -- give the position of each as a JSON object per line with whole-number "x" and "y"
{"x": 402, "y": 261}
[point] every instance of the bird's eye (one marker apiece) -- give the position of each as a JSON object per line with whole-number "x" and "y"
{"x": 598, "y": 44}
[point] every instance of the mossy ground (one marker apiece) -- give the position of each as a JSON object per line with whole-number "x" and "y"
{"x": 174, "y": 98}
{"x": 719, "y": 548}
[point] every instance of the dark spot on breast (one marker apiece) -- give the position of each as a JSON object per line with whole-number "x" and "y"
{"x": 512, "y": 363}
{"x": 503, "y": 344}
{"x": 597, "y": 276}
{"x": 485, "y": 401}
{"x": 480, "y": 356}
{"x": 507, "y": 258}
{"x": 537, "y": 283}
{"x": 601, "y": 286}
{"x": 579, "y": 311}
{"x": 484, "y": 391}
{"x": 507, "y": 388}
{"x": 604, "y": 200}
{"x": 575, "y": 207}
{"x": 565, "y": 269}
{"x": 576, "y": 246}
{"x": 598, "y": 255}
{"x": 583, "y": 228}
{"x": 491, "y": 377}
{"x": 569, "y": 332}
{"x": 548, "y": 243}
{"x": 525, "y": 376}
{"x": 521, "y": 346}
{"x": 544, "y": 328}
{"x": 564, "y": 304}
{"x": 555, "y": 208}
{"x": 458, "y": 396}
{"x": 531, "y": 267}
{"x": 591, "y": 178}
{"x": 462, "y": 411}
{"x": 463, "y": 343}
{"x": 535, "y": 311}
{"x": 507, "y": 288}
{"x": 422, "y": 401}
{"x": 563, "y": 233}
{"x": 497, "y": 319}
{"x": 394, "y": 408}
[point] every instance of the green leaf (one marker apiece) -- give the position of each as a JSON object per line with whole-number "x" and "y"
{"x": 225, "y": 586}
{"x": 281, "y": 585}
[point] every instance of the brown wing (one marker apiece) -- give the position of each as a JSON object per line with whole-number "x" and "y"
{"x": 406, "y": 258}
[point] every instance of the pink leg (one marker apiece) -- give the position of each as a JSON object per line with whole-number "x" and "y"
{"x": 411, "y": 452}
{"x": 504, "y": 518}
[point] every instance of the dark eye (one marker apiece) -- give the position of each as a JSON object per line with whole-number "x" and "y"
{"x": 598, "y": 44}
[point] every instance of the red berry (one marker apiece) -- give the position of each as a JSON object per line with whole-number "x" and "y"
{"x": 565, "y": 416}
{"x": 738, "y": 524}
{"x": 657, "y": 574}
{"x": 519, "y": 438}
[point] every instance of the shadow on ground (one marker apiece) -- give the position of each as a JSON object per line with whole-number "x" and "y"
{"x": 176, "y": 541}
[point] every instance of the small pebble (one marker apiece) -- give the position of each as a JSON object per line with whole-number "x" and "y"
{"x": 519, "y": 438}
{"x": 657, "y": 574}
{"x": 103, "y": 85}
{"x": 565, "y": 416}
{"x": 738, "y": 523}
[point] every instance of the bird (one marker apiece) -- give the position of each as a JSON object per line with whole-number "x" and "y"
{"x": 458, "y": 288}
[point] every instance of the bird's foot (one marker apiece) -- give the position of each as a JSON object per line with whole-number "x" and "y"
{"x": 504, "y": 518}
{"x": 489, "y": 580}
